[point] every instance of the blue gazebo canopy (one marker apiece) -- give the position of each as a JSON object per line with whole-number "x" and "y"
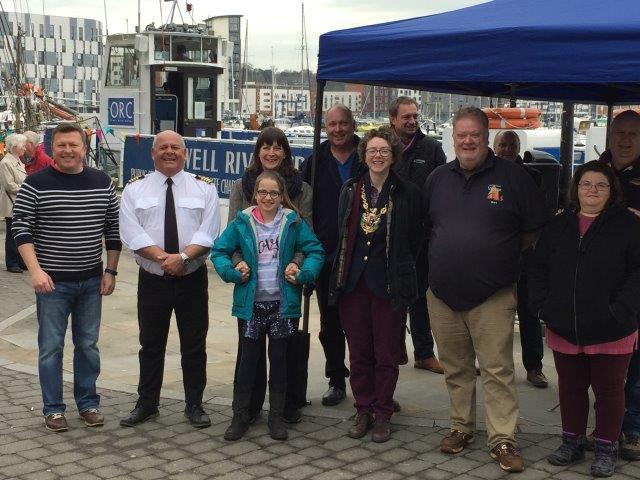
{"x": 584, "y": 51}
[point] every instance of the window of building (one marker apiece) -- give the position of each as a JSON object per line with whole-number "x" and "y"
{"x": 33, "y": 31}
{"x": 41, "y": 30}
{"x": 80, "y": 33}
{"x": 122, "y": 67}
{"x": 1, "y": 42}
{"x": 59, "y": 31}
{"x": 52, "y": 31}
{"x": 72, "y": 33}
{"x": 64, "y": 45}
{"x": 10, "y": 28}
{"x": 41, "y": 57}
{"x": 80, "y": 88}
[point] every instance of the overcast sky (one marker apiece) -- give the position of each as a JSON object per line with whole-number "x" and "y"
{"x": 274, "y": 25}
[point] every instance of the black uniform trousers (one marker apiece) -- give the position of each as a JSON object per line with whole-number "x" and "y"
{"x": 158, "y": 297}
{"x": 331, "y": 334}
{"x": 419, "y": 320}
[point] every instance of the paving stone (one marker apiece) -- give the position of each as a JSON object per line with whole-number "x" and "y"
{"x": 43, "y": 475}
{"x": 412, "y": 466}
{"x": 181, "y": 465}
{"x": 68, "y": 469}
{"x": 335, "y": 475}
{"x": 366, "y": 465}
{"x": 102, "y": 460}
{"x": 300, "y": 472}
{"x": 327, "y": 463}
{"x": 260, "y": 471}
{"x": 353, "y": 454}
{"x": 288, "y": 461}
{"x": 396, "y": 455}
{"x": 110, "y": 471}
{"x": 149, "y": 474}
{"x": 459, "y": 465}
{"x": 236, "y": 475}
{"x": 254, "y": 457}
{"x": 23, "y": 468}
{"x": 218, "y": 468}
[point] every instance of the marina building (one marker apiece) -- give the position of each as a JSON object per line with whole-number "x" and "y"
{"x": 63, "y": 55}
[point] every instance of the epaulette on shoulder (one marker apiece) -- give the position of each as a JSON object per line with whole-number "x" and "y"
{"x": 135, "y": 179}
{"x": 204, "y": 179}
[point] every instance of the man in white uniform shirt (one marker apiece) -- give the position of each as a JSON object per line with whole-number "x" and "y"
{"x": 170, "y": 219}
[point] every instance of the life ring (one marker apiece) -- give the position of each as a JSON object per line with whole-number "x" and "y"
{"x": 618, "y": 111}
{"x": 514, "y": 123}
{"x": 515, "y": 113}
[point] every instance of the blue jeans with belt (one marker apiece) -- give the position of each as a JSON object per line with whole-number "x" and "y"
{"x": 631, "y": 425}
{"x": 81, "y": 300}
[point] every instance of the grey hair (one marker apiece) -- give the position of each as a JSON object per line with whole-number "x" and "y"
{"x": 155, "y": 139}
{"x": 32, "y": 137}
{"x": 15, "y": 140}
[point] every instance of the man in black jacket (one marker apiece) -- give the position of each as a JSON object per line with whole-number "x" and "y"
{"x": 624, "y": 156}
{"x": 421, "y": 155}
{"x": 506, "y": 144}
{"x": 337, "y": 162}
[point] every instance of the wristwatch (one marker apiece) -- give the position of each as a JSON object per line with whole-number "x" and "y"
{"x": 185, "y": 259}
{"x": 111, "y": 271}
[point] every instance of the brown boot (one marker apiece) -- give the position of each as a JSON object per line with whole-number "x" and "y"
{"x": 361, "y": 425}
{"x": 455, "y": 441}
{"x": 381, "y": 431}
{"x": 432, "y": 364}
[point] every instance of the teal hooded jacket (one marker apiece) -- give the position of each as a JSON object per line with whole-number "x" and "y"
{"x": 295, "y": 236}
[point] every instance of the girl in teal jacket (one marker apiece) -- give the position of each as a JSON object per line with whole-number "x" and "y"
{"x": 268, "y": 291}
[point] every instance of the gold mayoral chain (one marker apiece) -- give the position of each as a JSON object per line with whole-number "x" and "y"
{"x": 370, "y": 220}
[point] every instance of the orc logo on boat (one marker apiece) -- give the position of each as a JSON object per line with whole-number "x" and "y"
{"x": 121, "y": 111}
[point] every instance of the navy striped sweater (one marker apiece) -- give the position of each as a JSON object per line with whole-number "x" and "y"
{"x": 66, "y": 217}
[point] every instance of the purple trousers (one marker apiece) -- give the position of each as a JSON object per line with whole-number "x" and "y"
{"x": 374, "y": 333}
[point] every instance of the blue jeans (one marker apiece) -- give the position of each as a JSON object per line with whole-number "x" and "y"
{"x": 631, "y": 425}
{"x": 81, "y": 300}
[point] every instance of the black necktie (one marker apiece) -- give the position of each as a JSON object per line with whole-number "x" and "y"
{"x": 170, "y": 223}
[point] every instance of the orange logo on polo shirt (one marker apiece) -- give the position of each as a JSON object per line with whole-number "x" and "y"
{"x": 495, "y": 193}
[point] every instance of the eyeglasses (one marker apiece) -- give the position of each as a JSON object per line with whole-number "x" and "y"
{"x": 272, "y": 194}
{"x": 384, "y": 152}
{"x": 600, "y": 187}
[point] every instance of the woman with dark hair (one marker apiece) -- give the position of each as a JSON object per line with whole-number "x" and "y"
{"x": 585, "y": 284}
{"x": 374, "y": 277}
{"x": 272, "y": 153}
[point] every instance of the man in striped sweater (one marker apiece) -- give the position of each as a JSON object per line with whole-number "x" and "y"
{"x": 61, "y": 215}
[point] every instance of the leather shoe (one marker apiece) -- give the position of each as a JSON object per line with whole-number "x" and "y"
{"x": 14, "y": 269}
{"x": 432, "y": 364}
{"x": 381, "y": 431}
{"x": 92, "y": 417}
{"x": 537, "y": 379}
{"x": 197, "y": 416}
{"x": 361, "y": 425}
{"x": 138, "y": 415}
{"x": 333, "y": 396}
{"x": 292, "y": 415}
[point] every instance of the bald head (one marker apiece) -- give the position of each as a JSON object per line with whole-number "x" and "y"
{"x": 340, "y": 127}
{"x": 168, "y": 153}
{"x": 624, "y": 139}
{"x": 506, "y": 144}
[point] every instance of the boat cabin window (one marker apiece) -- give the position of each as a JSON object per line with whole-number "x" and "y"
{"x": 180, "y": 48}
{"x": 199, "y": 101}
{"x": 122, "y": 69}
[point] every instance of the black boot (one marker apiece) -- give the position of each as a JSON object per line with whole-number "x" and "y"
{"x": 240, "y": 421}
{"x": 277, "y": 427}
{"x": 570, "y": 450}
{"x": 605, "y": 458}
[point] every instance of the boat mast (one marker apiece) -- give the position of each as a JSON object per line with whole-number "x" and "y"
{"x": 243, "y": 69}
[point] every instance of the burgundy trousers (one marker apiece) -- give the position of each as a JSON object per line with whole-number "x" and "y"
{"x": 606, "y": 375}
{"x": 374, "y": 332}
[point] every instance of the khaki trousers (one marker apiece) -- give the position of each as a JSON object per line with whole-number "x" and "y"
{"x": 485, "y": 332}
